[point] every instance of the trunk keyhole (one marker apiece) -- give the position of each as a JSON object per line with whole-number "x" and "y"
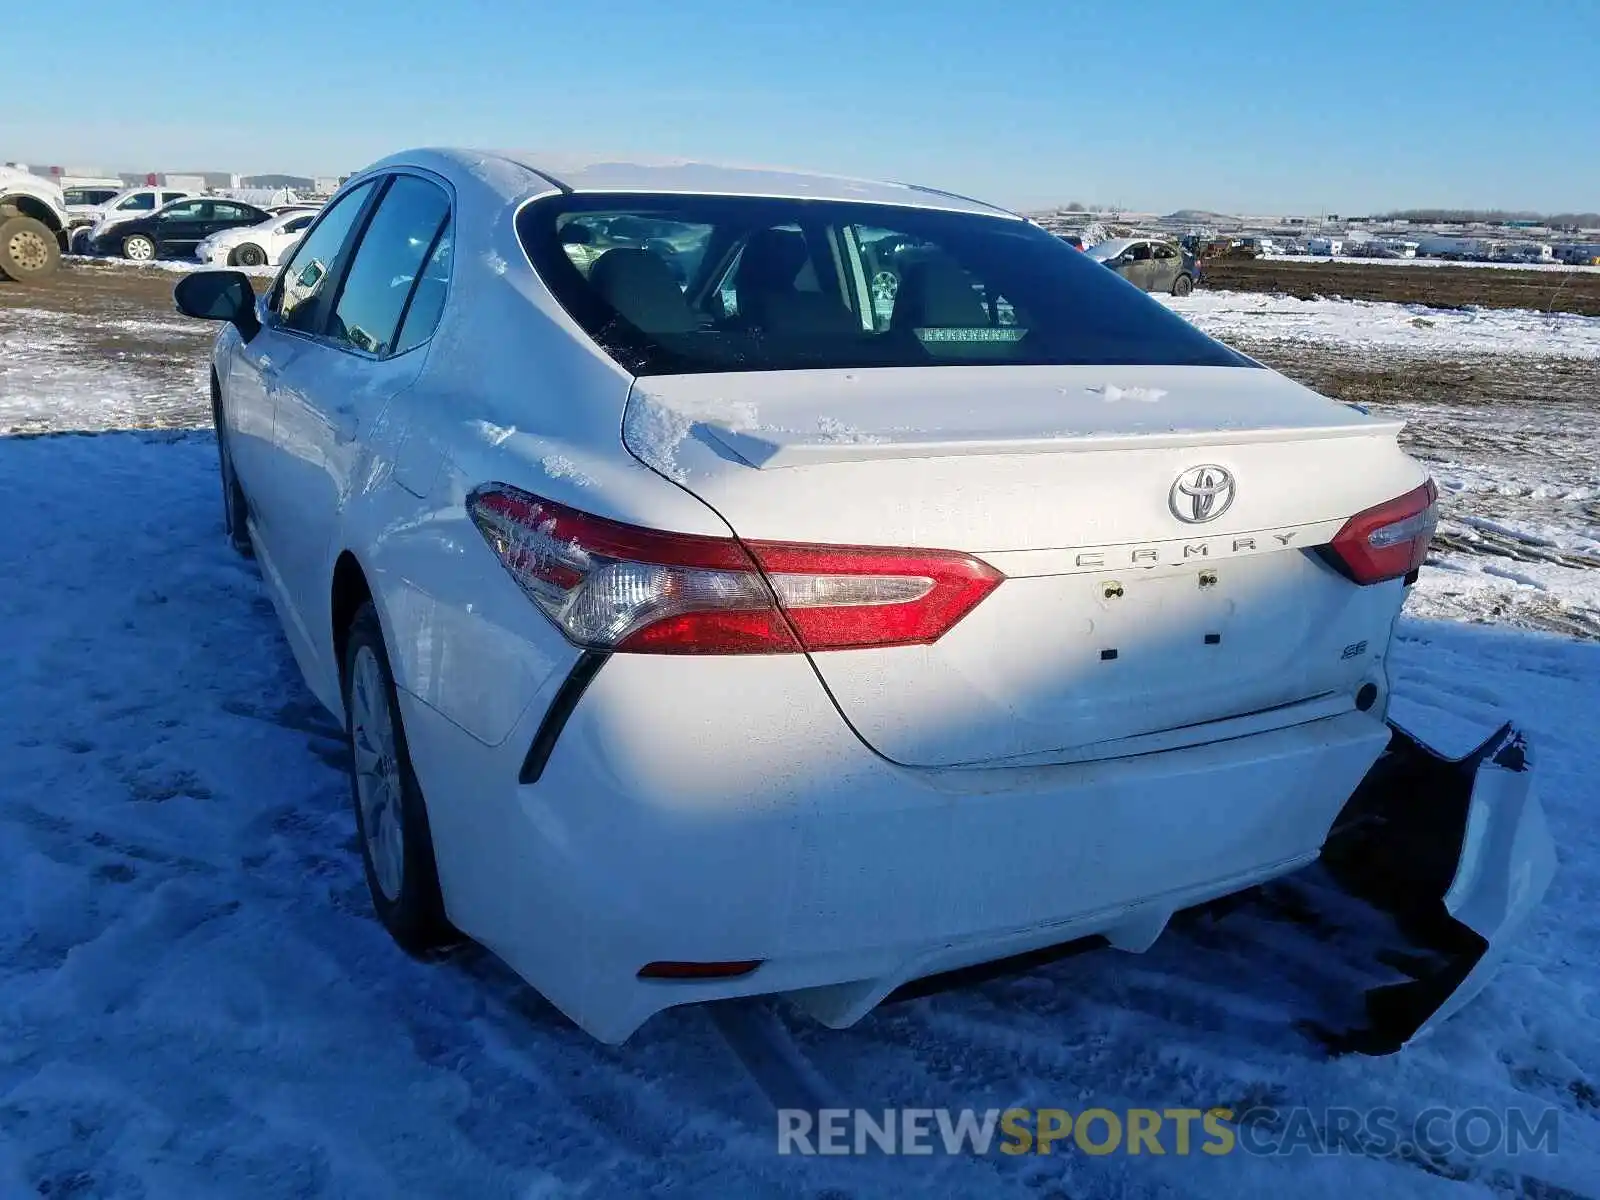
{"x": 1113, "y": 591}
{"x": 1208, "y": 579}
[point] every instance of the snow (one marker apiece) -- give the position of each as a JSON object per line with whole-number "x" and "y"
{"x": 1381, "y": 325}
{"x": 47, "y": 382}
{"x": 195, "y": 999}
{"x": 837, "y": 432}
{"x": 656, "y": 431}
{"x": 559, "y": 466}
{"x": 1144, "y": 395}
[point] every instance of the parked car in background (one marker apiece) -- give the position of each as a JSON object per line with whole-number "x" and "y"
{"x": 87, "y": 195}
{"x": 1149, "y": 263}
{"x": 257, "y": 245}
{"x": 1075, "y": 240}
{"x": 94, "y": 221}
{"x": 175, "y": 230}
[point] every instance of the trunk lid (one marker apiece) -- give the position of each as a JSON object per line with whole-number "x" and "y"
{"x": 1122, "y": 619}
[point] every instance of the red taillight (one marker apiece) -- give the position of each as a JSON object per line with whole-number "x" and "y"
{"x": 1389, "y": 540}
{"x": 612, "y": 586}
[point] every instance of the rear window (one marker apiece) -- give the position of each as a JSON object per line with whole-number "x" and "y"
{"x": 686, "y": 284}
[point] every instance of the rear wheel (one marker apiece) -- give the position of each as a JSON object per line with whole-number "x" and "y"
{"x": 1182, "y": 285}
{"x": 138, "y": 248}
{"x": 396, "y": 843}
{"x": 249, "y": 255}
{"x": 28, "y": 250}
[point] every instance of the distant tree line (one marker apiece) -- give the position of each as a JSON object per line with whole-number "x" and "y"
{"x": 1490, "y": 216}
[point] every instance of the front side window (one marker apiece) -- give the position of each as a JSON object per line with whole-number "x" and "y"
{"x": 139, "y": 202}
{"x": 674, "y": 284}
{"x": 399, "y": 239}
{"x": 301, "y": 281}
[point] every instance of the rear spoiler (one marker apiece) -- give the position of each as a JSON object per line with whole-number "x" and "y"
{"x": 774, "y": 449}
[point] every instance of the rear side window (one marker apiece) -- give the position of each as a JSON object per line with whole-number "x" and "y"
{"x": 399, "y": 240}
{"x": 427, "y": 302}
{"x": 676, "y": 284}
{"x": 302, "y": 280}
{"x": 142, "y": 202}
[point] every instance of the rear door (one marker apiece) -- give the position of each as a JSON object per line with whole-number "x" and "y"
{"x": 1164, "y": 267}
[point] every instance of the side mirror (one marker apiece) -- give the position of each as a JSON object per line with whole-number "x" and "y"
{"x": 219, "y": 296}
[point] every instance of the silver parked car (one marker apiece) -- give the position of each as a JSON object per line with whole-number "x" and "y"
{"x": 1149, "y": 263}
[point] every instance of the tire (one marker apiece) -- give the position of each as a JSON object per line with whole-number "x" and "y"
{"x": 235, "y": 509}
{"x": 391, "y": 818}
{"x": 1183, "y": 285}
{"x": 28, "y": 250}
{"x": 248, "y": 255}
{"x": 137, "y": 247}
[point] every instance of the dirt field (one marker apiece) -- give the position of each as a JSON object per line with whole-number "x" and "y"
{"x": 1441, "y": 287}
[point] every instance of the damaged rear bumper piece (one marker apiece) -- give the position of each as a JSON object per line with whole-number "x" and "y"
{"x": 1457, "y": 852}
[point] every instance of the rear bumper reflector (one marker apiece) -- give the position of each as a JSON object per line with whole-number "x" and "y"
{"x": 555, "y": 718}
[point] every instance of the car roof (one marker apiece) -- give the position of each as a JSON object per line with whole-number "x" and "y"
{"x": 518, "y": 174}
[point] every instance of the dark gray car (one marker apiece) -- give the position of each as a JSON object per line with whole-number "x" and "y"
{"x": 1149, "y": 263}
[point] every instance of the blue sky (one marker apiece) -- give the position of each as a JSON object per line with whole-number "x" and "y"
{"x": 1255, "y": 106}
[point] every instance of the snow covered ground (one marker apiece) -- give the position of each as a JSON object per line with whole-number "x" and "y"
{"x": 1380, "y": 325}
{"x": 196, "y": 1001}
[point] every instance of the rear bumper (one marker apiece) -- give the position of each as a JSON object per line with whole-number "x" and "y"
{"x": 741, "y": 819}
{"x": 1458, "y": 853}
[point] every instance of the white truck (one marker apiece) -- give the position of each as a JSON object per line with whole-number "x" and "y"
{"x": 33, "y": 222}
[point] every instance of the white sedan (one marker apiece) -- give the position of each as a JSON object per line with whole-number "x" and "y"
{"x": 260, "y": 245}
{"x": 705, "y": 625}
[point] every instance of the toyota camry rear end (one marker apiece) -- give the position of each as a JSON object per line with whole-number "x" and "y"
{"x": 809, "y": 587}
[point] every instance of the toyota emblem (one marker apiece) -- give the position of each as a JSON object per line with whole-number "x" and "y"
{"x": 1201, "y": 494}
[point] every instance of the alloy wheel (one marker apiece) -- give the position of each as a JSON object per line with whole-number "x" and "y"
{"x": 377, "y": 772}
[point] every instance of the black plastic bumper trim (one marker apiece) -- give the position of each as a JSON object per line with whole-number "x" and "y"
{"x": 555, "y": 718}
